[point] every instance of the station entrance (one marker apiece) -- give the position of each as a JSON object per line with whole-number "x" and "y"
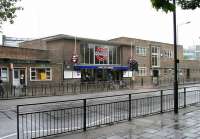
{"x": 101, "y": 75}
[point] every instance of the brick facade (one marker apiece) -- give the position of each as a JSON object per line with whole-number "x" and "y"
{"x": 59, "y": 49}
{"x": 24, "y": 59}
{"x": 23, "y": 53}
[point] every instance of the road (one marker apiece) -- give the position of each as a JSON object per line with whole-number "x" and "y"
{"x": 71, "y": 119}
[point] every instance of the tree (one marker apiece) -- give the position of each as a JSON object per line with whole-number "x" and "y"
{"x": 170, "y": 5}
{"x": 166, "y": 5}
{"x": 8, "y": 10}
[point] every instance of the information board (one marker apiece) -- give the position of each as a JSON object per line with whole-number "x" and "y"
{"x": 72, "y": 74}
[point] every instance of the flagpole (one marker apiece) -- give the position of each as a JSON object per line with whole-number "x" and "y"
{"x": 74, "y": 55}
{"x": 132, "y": 57}
{"x": 75, "y": 46}
{"x": 131, "y": 51}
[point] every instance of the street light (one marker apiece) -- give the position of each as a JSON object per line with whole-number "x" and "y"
{"x": 175, "y": 62}
{"x": 177, "y": 38}
{"x": 177, "y": 29}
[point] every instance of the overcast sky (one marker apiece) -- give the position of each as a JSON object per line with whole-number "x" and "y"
{"x": 102, "y": 19}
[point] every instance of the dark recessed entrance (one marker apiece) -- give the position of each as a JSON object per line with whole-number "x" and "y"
{"x": 101, "y": 75}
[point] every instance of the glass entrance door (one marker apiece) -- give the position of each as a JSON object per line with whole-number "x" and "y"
{"x": 99, "y": 74}
{"x": 19, "y": 76}
{"x": 108, "y": 75}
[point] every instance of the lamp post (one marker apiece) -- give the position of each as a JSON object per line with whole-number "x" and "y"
{"x": 175, "y": 62}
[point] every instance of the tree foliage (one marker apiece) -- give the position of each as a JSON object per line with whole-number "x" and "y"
{"x": 8, "y": 10}
{"x": 167, "y": 5}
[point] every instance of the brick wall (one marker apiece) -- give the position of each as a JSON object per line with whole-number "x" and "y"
{"x": 23, "y": 53}
{"x": 57, "y": 74}
{"x": 62, "y": 50}
{"x": 34, "y": 44}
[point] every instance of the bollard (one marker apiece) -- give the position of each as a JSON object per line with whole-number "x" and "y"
{"x": 13, "y": 90}
{"x": 17, "y": 122}
{"x": 142, "y": 82}
{"x": 84, "y": 115}
{"x": 161, "y": 101}
{"x": 129, "y": 98}
{"x": 184, "y": 97}
{"x": 75, "y": 88}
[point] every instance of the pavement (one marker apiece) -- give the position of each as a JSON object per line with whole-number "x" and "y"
{"x": 184, "y": 125}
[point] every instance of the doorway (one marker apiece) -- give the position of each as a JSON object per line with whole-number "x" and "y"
{"x": 19, "y": 76}
{"x": 155, "y": 78}
{"x": 188, "y": 74}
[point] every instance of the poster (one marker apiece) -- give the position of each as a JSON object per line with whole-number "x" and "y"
{"x": 72, "y": 74}
{"x": 127, "y": 74}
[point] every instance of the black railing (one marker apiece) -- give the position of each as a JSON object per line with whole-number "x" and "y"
{"x": 52, "y": 118}
{"x": 57, "y": 89}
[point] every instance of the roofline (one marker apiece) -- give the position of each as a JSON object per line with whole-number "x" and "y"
{"x": 108, "y": 42}
{"x": 69, "y": 37}
{"x": 22, "y": 48}
{"x": 142, "y": 40}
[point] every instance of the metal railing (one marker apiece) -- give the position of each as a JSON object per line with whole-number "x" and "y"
{"x": 53, "y": 118}
{"x": 57, "y": 89}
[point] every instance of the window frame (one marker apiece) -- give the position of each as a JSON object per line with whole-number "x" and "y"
{"x": 113, "y": 54}
{"x": 50, "y": 71}
{"x": 7, "y": 73}
{"x": 155, "y": 53}
{"x": 142, "y": 69}
{"x": 141, "y": 51}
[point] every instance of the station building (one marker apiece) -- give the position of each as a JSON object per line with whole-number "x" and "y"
{"x": 49, "y": 59}
{"x": 98, "y": 60}
{"x": 28, "y": 66}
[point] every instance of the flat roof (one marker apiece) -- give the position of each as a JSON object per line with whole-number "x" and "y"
{"x": 115, "y": 41}
{"x": 69, "y": 37}
{"x": 127, "y": 41}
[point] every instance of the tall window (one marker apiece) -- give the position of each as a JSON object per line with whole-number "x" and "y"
{"x": 168, "y": 53}
{"x": 154, "y": 60}
{"x": 155, "y": 56}
{"x": 141, "y": 51}
{"x": 40, "y": 74}
{"x": 4, "y": 74}
{"x": 91, "y": 54}
{"x": 114, "y": 55}
{"x": 82, "y": 53}
{"x": 99, "y": 54}
{"x": 110, "y": 55}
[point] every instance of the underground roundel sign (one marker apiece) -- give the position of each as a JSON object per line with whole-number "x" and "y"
{"x": 74, "y": 59}
{"x": 101, "y": 53}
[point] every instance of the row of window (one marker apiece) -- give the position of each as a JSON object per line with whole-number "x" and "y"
{"x": 100, "y": 54}
{"x": 37, "y": 74}
{"x": 141, "y": 51}
{"x": 142, "y": 71}
{"x": 155, "y": 54}
{"x": 40, "y": 74}
{"x": 167, "y": 53}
